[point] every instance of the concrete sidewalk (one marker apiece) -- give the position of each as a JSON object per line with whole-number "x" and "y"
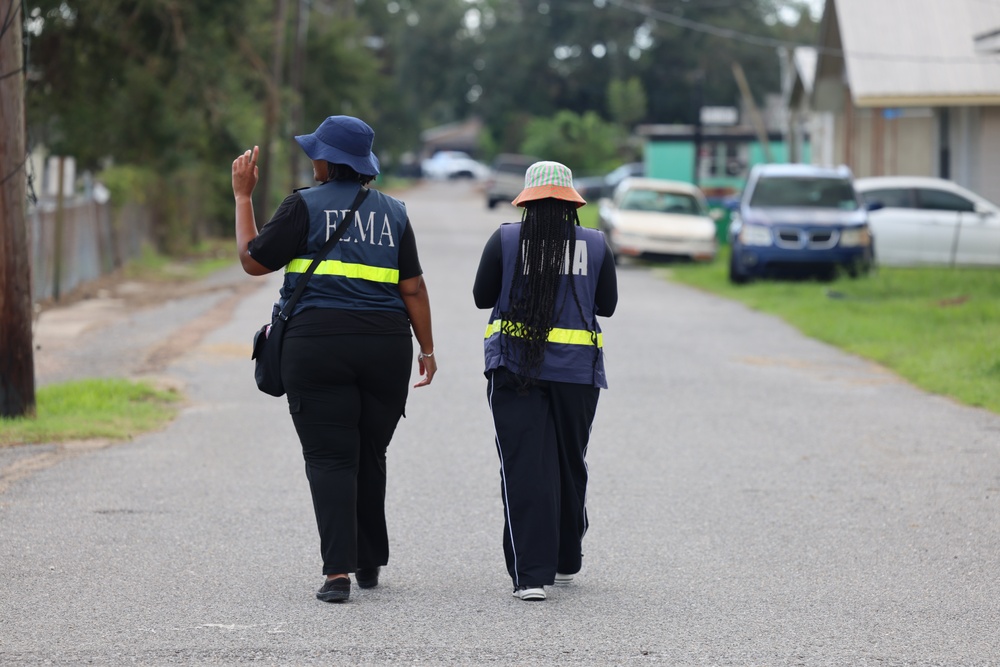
{"x": 129, "y": 328}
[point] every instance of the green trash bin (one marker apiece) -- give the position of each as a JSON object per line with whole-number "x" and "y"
{"x": 722, "y": 216}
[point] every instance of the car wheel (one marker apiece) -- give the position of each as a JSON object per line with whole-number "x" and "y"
{"x": 491, "y": 203}
{"x": 736, "y": 276}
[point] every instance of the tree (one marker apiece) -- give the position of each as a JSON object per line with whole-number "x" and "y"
{"x": 166, "y": 87}
{"x": 17, "y": 372}
{"x": 585, "y": 144}
{"x": 626, "y": 101}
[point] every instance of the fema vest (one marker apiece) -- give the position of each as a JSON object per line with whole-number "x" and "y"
{"x": 574, "y": 351}
{"x": 362, "y": 270}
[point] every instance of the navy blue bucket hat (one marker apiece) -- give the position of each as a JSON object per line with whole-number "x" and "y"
{"x": 342, "y": 140}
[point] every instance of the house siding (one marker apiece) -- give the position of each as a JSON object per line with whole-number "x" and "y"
{"x": 874, "y": 145}
{"x": 986, "y": 182}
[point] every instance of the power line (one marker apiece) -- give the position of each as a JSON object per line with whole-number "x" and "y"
{"x": 9, "y": 20}
{"x": 771, "y": 42}
{"x": 18, "y": 169}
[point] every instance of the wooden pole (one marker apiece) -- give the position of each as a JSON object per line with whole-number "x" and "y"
{"x": 295, "y": 83}
{"x": 17, "y": 365}
{"x": 57, "y": 253}
{"x": 756, "y": 118}
{"x": 262, "y": 193}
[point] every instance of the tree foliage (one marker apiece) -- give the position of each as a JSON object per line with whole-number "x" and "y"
{"x": 584, "y": 143}
{"x": 626, "y": 101}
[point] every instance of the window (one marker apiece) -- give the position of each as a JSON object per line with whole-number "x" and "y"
{"x": 890, "y": 197}
{"x": 778, "y": 191}
{"x": 939, "y": 200}
{"x": 661, "y": 202}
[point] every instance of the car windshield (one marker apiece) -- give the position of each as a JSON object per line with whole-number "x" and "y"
{"x": 773, "y": 191}
{"x": 660, "y": 202}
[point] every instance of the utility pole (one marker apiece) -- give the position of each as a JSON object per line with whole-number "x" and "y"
{"x": 17, "y": 364}
{"x": 262, "y": 193}
{"x": 756, "y": 118}
{"x": 295, "y": 83}
{"x": 699, "y": 101}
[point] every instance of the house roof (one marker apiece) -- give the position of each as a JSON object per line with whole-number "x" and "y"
{"x": 804, "y": 59}
{"x": 901, "y": 53}
{"x": 803, "y": 74}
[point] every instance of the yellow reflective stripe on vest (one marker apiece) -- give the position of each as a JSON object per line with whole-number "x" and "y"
{"x": 564, "y": 336}
{"x": 334, "y": 267}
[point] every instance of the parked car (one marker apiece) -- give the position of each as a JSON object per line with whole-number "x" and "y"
{"x": 506, "y": 179}
{"x": 922, "y": 220}
{"x": 451, "y": 165}
{"x": 593, "y": 188}
{"x": 651, "y": 217}
{"x": 799, "y": 219}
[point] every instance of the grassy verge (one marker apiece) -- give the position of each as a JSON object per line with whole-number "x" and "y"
{"x": 937, "y": 327}
{"x": 108, "y": 408}
{"x": 116, "y": 409}
{"x": 210, "y": 256}
{"x": 588, "y": 215}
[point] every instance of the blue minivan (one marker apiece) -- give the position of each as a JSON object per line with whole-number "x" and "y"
{"x": 798, "y": 219}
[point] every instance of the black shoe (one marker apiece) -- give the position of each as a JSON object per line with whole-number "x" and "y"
{"x": 335, "y": 590}
{"x": 367, "y": 577}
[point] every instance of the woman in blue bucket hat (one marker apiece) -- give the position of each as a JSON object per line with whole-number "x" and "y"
{"x": 347, "y": 351}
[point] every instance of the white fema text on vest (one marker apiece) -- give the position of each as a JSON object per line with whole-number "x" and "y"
{"x": 362, "y": 231}
{"x": 577, "y": 259}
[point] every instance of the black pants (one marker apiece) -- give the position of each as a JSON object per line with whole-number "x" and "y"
{"x": 346, "y": 394}
{"x": 541, "y": 439}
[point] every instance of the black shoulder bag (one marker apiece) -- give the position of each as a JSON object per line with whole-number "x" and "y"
{"x": 267, "y": 340}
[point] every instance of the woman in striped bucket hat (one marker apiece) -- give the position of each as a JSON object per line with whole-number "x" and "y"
{"x": 546, "y": 279}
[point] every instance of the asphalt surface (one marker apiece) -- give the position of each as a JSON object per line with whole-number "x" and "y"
{"x": 756, "y": 498}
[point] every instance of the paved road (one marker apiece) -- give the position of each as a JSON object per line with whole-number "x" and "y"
{"x": 757, "y": 498}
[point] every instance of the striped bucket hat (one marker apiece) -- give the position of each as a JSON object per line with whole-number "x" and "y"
{"x": 545, "y": 180}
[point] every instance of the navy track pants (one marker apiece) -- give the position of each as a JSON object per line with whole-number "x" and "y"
{"x": 541, "y": 439}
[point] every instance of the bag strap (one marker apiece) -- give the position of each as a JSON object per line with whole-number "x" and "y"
{"x": 323, "y": 252}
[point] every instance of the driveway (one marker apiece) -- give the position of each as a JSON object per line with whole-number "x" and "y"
{"x": 756, "y": 498}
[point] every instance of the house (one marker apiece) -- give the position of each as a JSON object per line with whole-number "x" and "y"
{"x": 911, "y": 87}
{"x": 463, "y": 136}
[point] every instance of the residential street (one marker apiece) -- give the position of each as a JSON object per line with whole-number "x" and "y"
{"x": 756, "y": 498}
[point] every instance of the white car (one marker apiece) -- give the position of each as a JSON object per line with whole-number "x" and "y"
{"x": 921, "y": 220}
{"x": 657, "y": 218}
{"x": 450, "y": 165}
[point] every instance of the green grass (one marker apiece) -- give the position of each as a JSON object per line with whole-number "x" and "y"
{"x": 210, "y": 256}
{"x": 937, "y": 327}
{"x": 588, "y": 215}
{"x": 111, "y": 408}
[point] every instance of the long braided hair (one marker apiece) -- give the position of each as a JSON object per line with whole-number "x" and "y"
{"x": 548, "y": 236}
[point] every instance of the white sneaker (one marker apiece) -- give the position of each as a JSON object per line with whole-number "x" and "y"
{"x": 563, "y": 579}
{"x": 530, "y": 593}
